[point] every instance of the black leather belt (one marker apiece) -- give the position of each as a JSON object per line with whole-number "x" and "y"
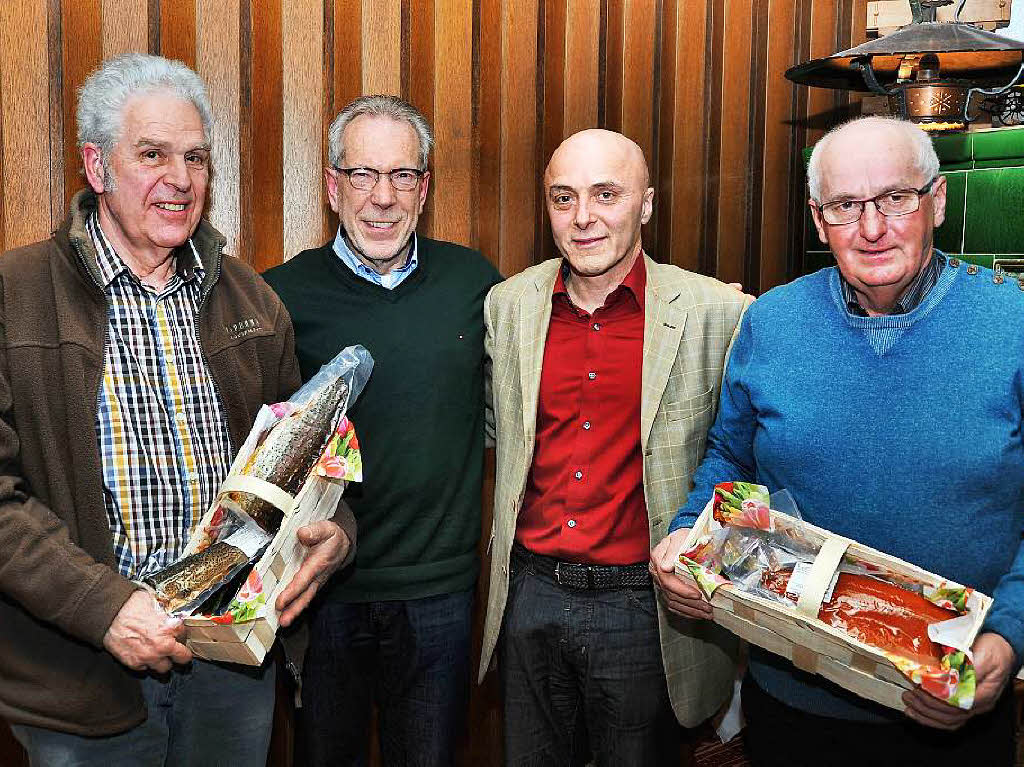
{"x": 574, "y": 575}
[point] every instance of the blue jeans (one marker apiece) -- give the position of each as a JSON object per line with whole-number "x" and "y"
{"x": 582, "y": 676}
{"x": 203, "y": 715}
{"x": 409, "y": 657}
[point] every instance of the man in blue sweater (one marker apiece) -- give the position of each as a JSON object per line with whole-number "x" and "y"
{"x": 867, "y": 392}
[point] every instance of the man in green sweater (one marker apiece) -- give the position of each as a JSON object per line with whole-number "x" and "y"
{"x": 395, "y": 629}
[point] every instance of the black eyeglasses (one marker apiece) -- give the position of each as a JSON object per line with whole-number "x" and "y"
{"x": 899, "y": 202}
{"x": 365, "y": 179}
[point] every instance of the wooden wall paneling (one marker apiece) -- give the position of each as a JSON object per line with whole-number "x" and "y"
{"x": 487, "y": 64}
{"x": 683, "y": 124}
{"x": 822, "y": 103}
{"x": 853, "y": 32}
{"x": 382, "y": 46}
{"x": 453, "y": 125}
{"x": 776, "y": 141}
{"x": 261, "y": 133}
{"x": 82, "y": 52}
{"x": 178, "y": 30}
{"x": 582, "y": 52}
{"x": 613, "y": 19}
{"x": 347, "y": 68}
{"x": 731, "y": 136}
{"x": 423, "y": 33}
{"x": 24, "y": 114}
{"x": 519, "y": 135}
{"x": 302, "y": 88}
{"x": 125, "y": 27}
{"x": 639, "y": 52}
{"x": 56, "y": 115}
{"x": 218, "y": 63}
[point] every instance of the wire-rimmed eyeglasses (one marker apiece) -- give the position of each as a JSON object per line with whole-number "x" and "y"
{"x": 365, "y": 179}
{"x": 899, "y": 202}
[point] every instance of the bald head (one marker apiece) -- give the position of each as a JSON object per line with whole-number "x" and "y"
{"x": 610, "y": 147}
{"x": 598, "y": 198}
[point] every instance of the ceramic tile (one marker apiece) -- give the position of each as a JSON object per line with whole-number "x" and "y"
{"x": 950, "y": 236}
{"x": 995, "y": 201}
{"x": 1001, "y": 144}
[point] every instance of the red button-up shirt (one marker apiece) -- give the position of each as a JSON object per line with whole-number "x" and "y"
{"x": 584, "y": 497}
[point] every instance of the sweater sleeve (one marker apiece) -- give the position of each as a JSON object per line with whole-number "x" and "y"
{"x": 730, "y": 446}
{"x": 1006, "y": 617}
{"x": 41, "y": 568}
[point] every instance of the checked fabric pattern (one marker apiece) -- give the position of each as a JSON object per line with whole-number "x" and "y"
{"x": 164, "y": 442}
{"x": 689, "y": 324}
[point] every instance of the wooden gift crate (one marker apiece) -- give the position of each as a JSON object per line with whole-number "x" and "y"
{"x": 248, "y": 642}
{"x": 795, "y": 632}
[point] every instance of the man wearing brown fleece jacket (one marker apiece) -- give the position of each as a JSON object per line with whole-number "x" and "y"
{"x": 134, "y": 356}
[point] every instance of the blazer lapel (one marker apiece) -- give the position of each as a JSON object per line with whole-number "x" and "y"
{"x": 534, "y": 317}
{"x": 664, "y": 320}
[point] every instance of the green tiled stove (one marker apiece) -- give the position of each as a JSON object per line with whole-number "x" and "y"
{"x": 984, "y": 173}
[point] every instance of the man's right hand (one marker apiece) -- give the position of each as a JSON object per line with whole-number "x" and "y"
{"x": 143, "y": 636}
{"x": 681, "y": 596}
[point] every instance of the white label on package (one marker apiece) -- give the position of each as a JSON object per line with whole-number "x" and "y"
{"x": 248, "y": 540}
{"x": 799, "y": 577}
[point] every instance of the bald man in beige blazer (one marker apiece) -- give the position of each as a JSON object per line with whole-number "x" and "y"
{"x": 598, "y": 197}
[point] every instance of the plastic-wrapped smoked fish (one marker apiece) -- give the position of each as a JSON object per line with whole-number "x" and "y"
{"x": 876, "y": 613}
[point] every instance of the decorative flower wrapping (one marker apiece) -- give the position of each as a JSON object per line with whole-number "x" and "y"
{"x": 248, "y": 603}
{"x": 342, "y": 458}
{"x": 745, "y": 505}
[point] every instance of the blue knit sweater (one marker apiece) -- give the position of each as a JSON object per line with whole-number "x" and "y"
{"x": 902, "y": 432}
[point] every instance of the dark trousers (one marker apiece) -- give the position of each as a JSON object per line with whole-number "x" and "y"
{"x": 778, "y": 735}
{"x": 410, "y": 658}
{"x": 582, "y": 673}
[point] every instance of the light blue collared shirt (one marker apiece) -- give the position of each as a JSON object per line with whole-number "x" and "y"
{"x": 391, "y": 280}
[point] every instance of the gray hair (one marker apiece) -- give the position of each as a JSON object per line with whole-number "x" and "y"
{"x": 391, "y": 107}
{"x": 102, "y": 97}
{"x": 924, "y": 158}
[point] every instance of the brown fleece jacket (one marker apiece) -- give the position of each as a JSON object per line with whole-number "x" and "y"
{"x": 59, "y": 587}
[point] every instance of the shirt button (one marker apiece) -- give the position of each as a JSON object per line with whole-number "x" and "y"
{"x": 597, "y": 326}
{"x": 591, "y": 375}
{"x": 571, "y": 523}
{"x": 180, "y": 416}
{"x": 578, "y": 475}
{"x": 586, "y": 424}
{"x": 193, "y": 476}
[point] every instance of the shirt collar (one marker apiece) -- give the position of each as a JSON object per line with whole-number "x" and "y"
{"x": 111, "y": 265}
{"x": 632, "y": 287}
{"x": 911, "y": 297}
{"x": 344, "y": 252}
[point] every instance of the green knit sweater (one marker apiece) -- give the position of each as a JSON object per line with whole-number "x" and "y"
{"x": 420, "y": 420}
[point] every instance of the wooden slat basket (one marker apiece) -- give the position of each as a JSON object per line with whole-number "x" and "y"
{"x": 798, "y": 635}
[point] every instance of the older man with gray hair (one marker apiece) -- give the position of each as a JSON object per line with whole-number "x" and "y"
{"x": 396, "y": 629}
{"x": 125, "y": 388}
{"x": 867, "y": 391}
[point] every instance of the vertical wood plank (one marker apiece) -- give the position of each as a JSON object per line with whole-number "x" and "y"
{"x": 822, "y": 103}
{"x": 261, "y": 124}
{"x": 178, "y": 30}
{"x": 218, "y": 63}
{"x": 519, "y": 171}
{"x": 732, "y": 137}
{"x": 125, "y": 27}
{"x": 382, "y": 46}
{"x": 614, "y": 37}
{"x": 453, "y": 125}
{"x": 582, "y": 41}
{"x": 639, "y": 48}
{"x": 56, "y": 133}
{"x": 348, "y": 56}
{"x": 24, "y": 110}
{"x": 302, "y": 47}
{"x": 81, "y": 54}
{"x": 422, "y": 83}
{"x": 488, "y": 175}
{"x": 683, "y": 123}
{"x": 777, "y": 165}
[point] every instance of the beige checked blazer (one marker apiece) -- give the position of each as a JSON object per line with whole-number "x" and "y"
{"x": 690, "y": 321}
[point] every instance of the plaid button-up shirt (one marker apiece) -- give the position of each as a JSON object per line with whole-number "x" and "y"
{"x": 163, "y": 438}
